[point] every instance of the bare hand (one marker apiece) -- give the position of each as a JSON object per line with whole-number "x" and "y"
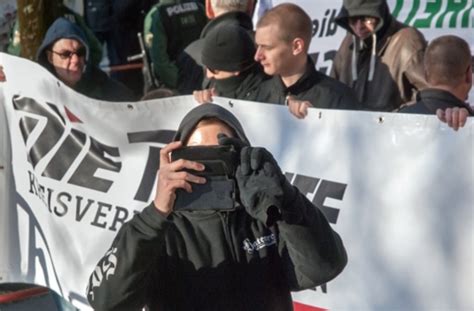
{"x": 454, "y": 117}
{"x": 299, "y": 108}
{"x": 172, "y": 177}
{"x": 204, "y": 96}
{"x": 2, "y": 75}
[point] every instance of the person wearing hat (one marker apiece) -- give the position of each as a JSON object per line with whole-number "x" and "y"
{"x": 65, "y": 53}
{"x": 219, "y": 13}
{"x": 228, "y": 56}
{"x": 283, "y": 36}
{"x": 380, "y": 58}
{"x": 246, "y": 250}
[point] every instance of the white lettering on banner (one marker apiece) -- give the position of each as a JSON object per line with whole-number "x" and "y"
{"x": 382, "y": 185}
{"x": 107, "y": 269}
{"x": 261, "y": 242}
{"x": 182, "y": 8}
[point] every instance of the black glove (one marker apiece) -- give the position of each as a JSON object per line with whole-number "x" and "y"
{"x": 225, "y": 140}
{"x": 263, "y": 189}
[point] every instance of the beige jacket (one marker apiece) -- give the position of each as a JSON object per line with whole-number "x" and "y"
{"x": 397, "y": 71}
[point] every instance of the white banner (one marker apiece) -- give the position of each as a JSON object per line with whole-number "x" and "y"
{"x": 398, "y": 189}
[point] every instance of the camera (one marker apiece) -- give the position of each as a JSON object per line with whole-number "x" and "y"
{"x": 218, "y": 193}
{"x": 218, "y": 160}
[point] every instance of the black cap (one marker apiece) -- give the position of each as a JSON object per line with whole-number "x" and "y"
{"x": 228, "y": 48}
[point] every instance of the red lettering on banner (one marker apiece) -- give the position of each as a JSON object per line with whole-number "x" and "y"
{"x": 71, "y": 116}
{"x": 301, "y": 307}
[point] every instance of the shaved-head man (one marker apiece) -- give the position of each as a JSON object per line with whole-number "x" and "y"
{"x": 448, "y": 71}
{"x": 283, "y": 36}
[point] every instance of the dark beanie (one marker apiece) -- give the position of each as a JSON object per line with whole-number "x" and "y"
{"x": 228, "y": 48}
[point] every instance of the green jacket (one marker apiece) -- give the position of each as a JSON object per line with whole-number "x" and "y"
{"x": 169, "y": 27}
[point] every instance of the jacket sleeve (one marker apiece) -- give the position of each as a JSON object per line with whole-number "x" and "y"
{"x": 413, "y": 70}
{"x": 337, "y": 61}
{"x": 147, "y": 22}
{"x": 119, "y": 281}
{"x": 312, "y": 252}
{"x": 165, "y": 69}
{"x": 414, "y": 75}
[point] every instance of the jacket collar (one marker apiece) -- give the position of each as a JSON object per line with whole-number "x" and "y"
{"x": 305, "y": 82}
{"x": 432, "y": 98}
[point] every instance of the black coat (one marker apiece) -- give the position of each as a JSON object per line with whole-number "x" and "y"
{"x": 429, "y": 100}
{"x": 244, "y": 86}
{"x": 317, "y": 88}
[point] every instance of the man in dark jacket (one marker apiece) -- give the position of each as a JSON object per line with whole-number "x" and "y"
{"x": 380, "y": 58}
{"x": 448, "y": 72}
{"x": 271, "y": 239}
{"x": 65, "y": 53}
{"x": 228, "y": 55}
{"x": 283, "y": 36}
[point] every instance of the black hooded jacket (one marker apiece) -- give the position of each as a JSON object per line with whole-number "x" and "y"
{"x": 215, "y": 260}
{"x": 430, "y": 100}
{"x": 385, "y": 70}
{"x": 94, "y": 82}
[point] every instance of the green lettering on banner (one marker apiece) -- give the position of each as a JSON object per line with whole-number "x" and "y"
{"x": 456, "y": 7}
{"x": 431, "y": 9}
{"x": 398, "y": 8}
{"x": 436, "y": 13}
{"x": 413, "y": 11}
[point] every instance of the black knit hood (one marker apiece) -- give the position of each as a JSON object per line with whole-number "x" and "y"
{"x": 208, "y": 111}
{"x": 374, "y": 8}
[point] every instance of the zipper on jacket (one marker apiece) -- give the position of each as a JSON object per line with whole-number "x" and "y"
{"x": 228, "y": 236}
{"x": 287, "y": 95}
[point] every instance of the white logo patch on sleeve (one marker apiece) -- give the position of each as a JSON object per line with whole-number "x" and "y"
{"x": 261, "y": 242}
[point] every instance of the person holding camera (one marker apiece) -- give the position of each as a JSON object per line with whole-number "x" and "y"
{"x": 191, "y": 249}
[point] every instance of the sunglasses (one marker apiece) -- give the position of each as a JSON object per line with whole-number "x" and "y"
{"x": 68, "y": 54}
{"x": 367, "y": 20}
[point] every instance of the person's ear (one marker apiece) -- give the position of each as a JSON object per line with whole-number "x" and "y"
{"x": 49, "y": 56}
{"x": 468, "y": 77}
{"x": 209, "y": 10}
{"x": 298, "y": 46}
